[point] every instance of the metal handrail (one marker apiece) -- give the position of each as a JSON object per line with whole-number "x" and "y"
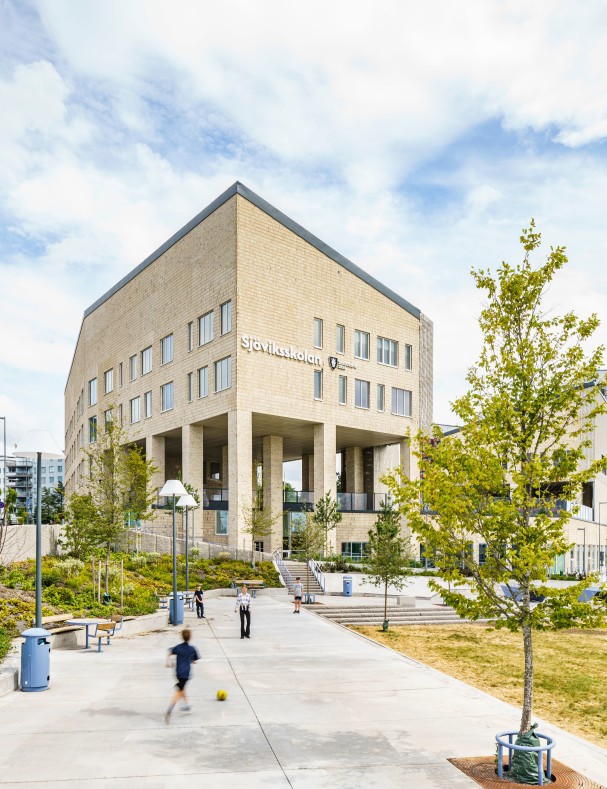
{"x": 282, "y": 569}
{"x": 317, "y": 573}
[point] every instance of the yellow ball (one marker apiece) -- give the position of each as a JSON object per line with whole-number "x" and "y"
{"x": 222, "y": 695}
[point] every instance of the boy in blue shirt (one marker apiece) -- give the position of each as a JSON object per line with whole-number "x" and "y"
{"x": 185, "y": 655}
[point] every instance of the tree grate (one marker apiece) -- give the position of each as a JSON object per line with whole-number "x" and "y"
{"x": 482, "y": 769}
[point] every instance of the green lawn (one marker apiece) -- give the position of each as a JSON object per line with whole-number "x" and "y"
{"x": 570, "y": 668}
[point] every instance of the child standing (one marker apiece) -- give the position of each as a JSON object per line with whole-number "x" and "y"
{"x": 185, "y": 655}
{"x": 198, "y": 596}
{"x": 297, "y": 594}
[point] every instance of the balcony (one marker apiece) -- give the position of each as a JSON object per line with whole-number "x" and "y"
{"x": 215, "y": 499}
{"x": 303, "y": 501}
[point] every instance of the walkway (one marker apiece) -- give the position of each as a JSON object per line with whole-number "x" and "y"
{"x": 310, "y": 706}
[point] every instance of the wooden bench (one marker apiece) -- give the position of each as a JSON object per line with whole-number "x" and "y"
{"x": 49, "y": 620}
{"x": 252, "y": 586}
{"x": 104, "y": 630}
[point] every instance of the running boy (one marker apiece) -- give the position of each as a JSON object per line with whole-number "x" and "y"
{"x": 185, "y": 655}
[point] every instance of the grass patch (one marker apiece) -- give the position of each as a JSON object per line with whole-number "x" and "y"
{"x": 570, "y": 687}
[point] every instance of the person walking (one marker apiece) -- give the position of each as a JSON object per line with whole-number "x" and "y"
{"x": 243, "y": 604}
{"x": 185, "y": 655}
{"x": 198, "y": 596}
{"x": 297, "y": 594}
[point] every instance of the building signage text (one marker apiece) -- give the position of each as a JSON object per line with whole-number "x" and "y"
{"x": 251, "y": 344}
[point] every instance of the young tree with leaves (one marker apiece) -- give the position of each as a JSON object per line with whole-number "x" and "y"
{"x": 326, "y": 516}
{"x": 81, "y": 535}
{"x": 307, "y": 543}
{"x": 258, "y": 521}
{"x": 390, "y": 553}
{"x": 526, "y": 422}
{"x": 120, "y": 482}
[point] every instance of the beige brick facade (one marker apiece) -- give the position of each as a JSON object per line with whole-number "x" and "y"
{"x": 278, "y": 279}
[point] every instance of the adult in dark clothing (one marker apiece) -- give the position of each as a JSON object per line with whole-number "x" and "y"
{"x": 185, "y": 655}
{"x": 198, "y": 595}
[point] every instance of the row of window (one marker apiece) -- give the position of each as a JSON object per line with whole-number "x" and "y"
{"x": 402, "y": 399}
{"x": 387, "y": 350}
{"x": 141, "y": 406}
{"x": 167, "y": 344}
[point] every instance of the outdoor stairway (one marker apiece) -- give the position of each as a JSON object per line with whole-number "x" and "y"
{"x": 300, "y": 569}
{"x": 397, "y": 615}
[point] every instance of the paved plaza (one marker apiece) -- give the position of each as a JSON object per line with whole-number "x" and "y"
{"x": 310, "y": 706}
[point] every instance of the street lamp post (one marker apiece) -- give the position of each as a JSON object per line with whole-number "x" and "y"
{"x": 189, "y": 502}
{"x": 173, "y": 487}
{"x": 35, "y": 652}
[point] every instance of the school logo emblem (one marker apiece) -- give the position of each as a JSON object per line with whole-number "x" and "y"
{"x": 333, "y": 362}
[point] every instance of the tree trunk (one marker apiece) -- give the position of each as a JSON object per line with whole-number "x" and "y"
{"x": 107, "y": 570}
{"x": 386, "y": 600}
{"x": 528, "y": 690}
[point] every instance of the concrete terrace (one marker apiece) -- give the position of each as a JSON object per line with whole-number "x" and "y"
{"x": 310, "y": 706}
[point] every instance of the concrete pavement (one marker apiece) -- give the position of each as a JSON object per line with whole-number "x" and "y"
{"x": 310, "y": 706}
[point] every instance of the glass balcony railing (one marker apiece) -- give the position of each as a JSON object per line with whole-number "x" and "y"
{"x": 298, "y": 500}
{"x": 303, "y": 501}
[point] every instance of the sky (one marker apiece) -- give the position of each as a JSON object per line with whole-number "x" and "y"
{"x": 417, "y": 139}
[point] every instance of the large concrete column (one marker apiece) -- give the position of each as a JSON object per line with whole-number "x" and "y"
{"x": 355, "y": 482}
{"x": 240, "y": 474}
{"x": 154, "y": 451}
{"x": 273, "y": 489}
{"x": 324, "y": 460}
{"x": 224, "y": 475}
{"x": 192, "y": 458}
{"x": 307, "y": 472}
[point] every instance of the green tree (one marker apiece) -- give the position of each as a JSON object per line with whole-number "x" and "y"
{"x": 60, "y": 501}
{"x": 390, "y": 553}
{"x": 119, "y": 483}
{"x": 10, "y": 505}
{"x": 326, "y": 516}
{"x": 258, "y": 521}
{"x": 526, "y": 422}
{"x": 81, "y": 533}
{"x": 51, "y": 505}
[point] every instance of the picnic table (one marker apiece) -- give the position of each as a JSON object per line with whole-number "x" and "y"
{"x": 88, "y": 622}
{"x": 252, "y": 585}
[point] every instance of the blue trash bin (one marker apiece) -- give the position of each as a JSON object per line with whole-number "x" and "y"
{"x": 176, "y": 613}
{"x": 347, "y": 586}
{"x": 35, "y": 659}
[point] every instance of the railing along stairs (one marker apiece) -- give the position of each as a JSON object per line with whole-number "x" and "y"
{"x": 318, "y": 574}
{"x": 282, "y": 569}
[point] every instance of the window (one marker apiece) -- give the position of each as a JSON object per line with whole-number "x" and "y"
{"x": 361, "y": 344}
{"x": 361, "y": 393}
{"x": 120, "y": 416}
{"x": 203, "y": 382}
{"x": 166, "y": 397}
{"x": 221, "y": 522}
{"x": 146, "y": 360}
{"x": 93, "y": 391}
{"x": 59, "y": 479}
{"x": 340, "y": 345}
{"x": 108, "y": 381}
{"x": 343, "y": 389}
{"x": 354, "y": 550}
{"x": 190, "y": 335}
{"x": 318, "y": 384}
{"x": 120, "y": 374}
{"x": 408, "y": 357}
{"x": 59, "y": 469}
{"x": 108, "y": 416}
{"x": 135, "y": 410}
{"x": 215, "y": 470}
{"x": 133, "y": 367}
{"x": 92, "y": 429}
{"x": 166, "y": 350}
{"x": 147, "y": 405}
{"x": 205, "y": 328}
{"x": 387, "y": 351}
{"x": 381, "y": 397}
{"x": 482, "y": 553}
{"x": 401, "y": 402}
{"x": 225, "y": 314}
{"x": 190, "y": 393}
{"x": 51, "y": 479}
{"x": 223, "y": 374}
{"x": 317, "y": 333}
